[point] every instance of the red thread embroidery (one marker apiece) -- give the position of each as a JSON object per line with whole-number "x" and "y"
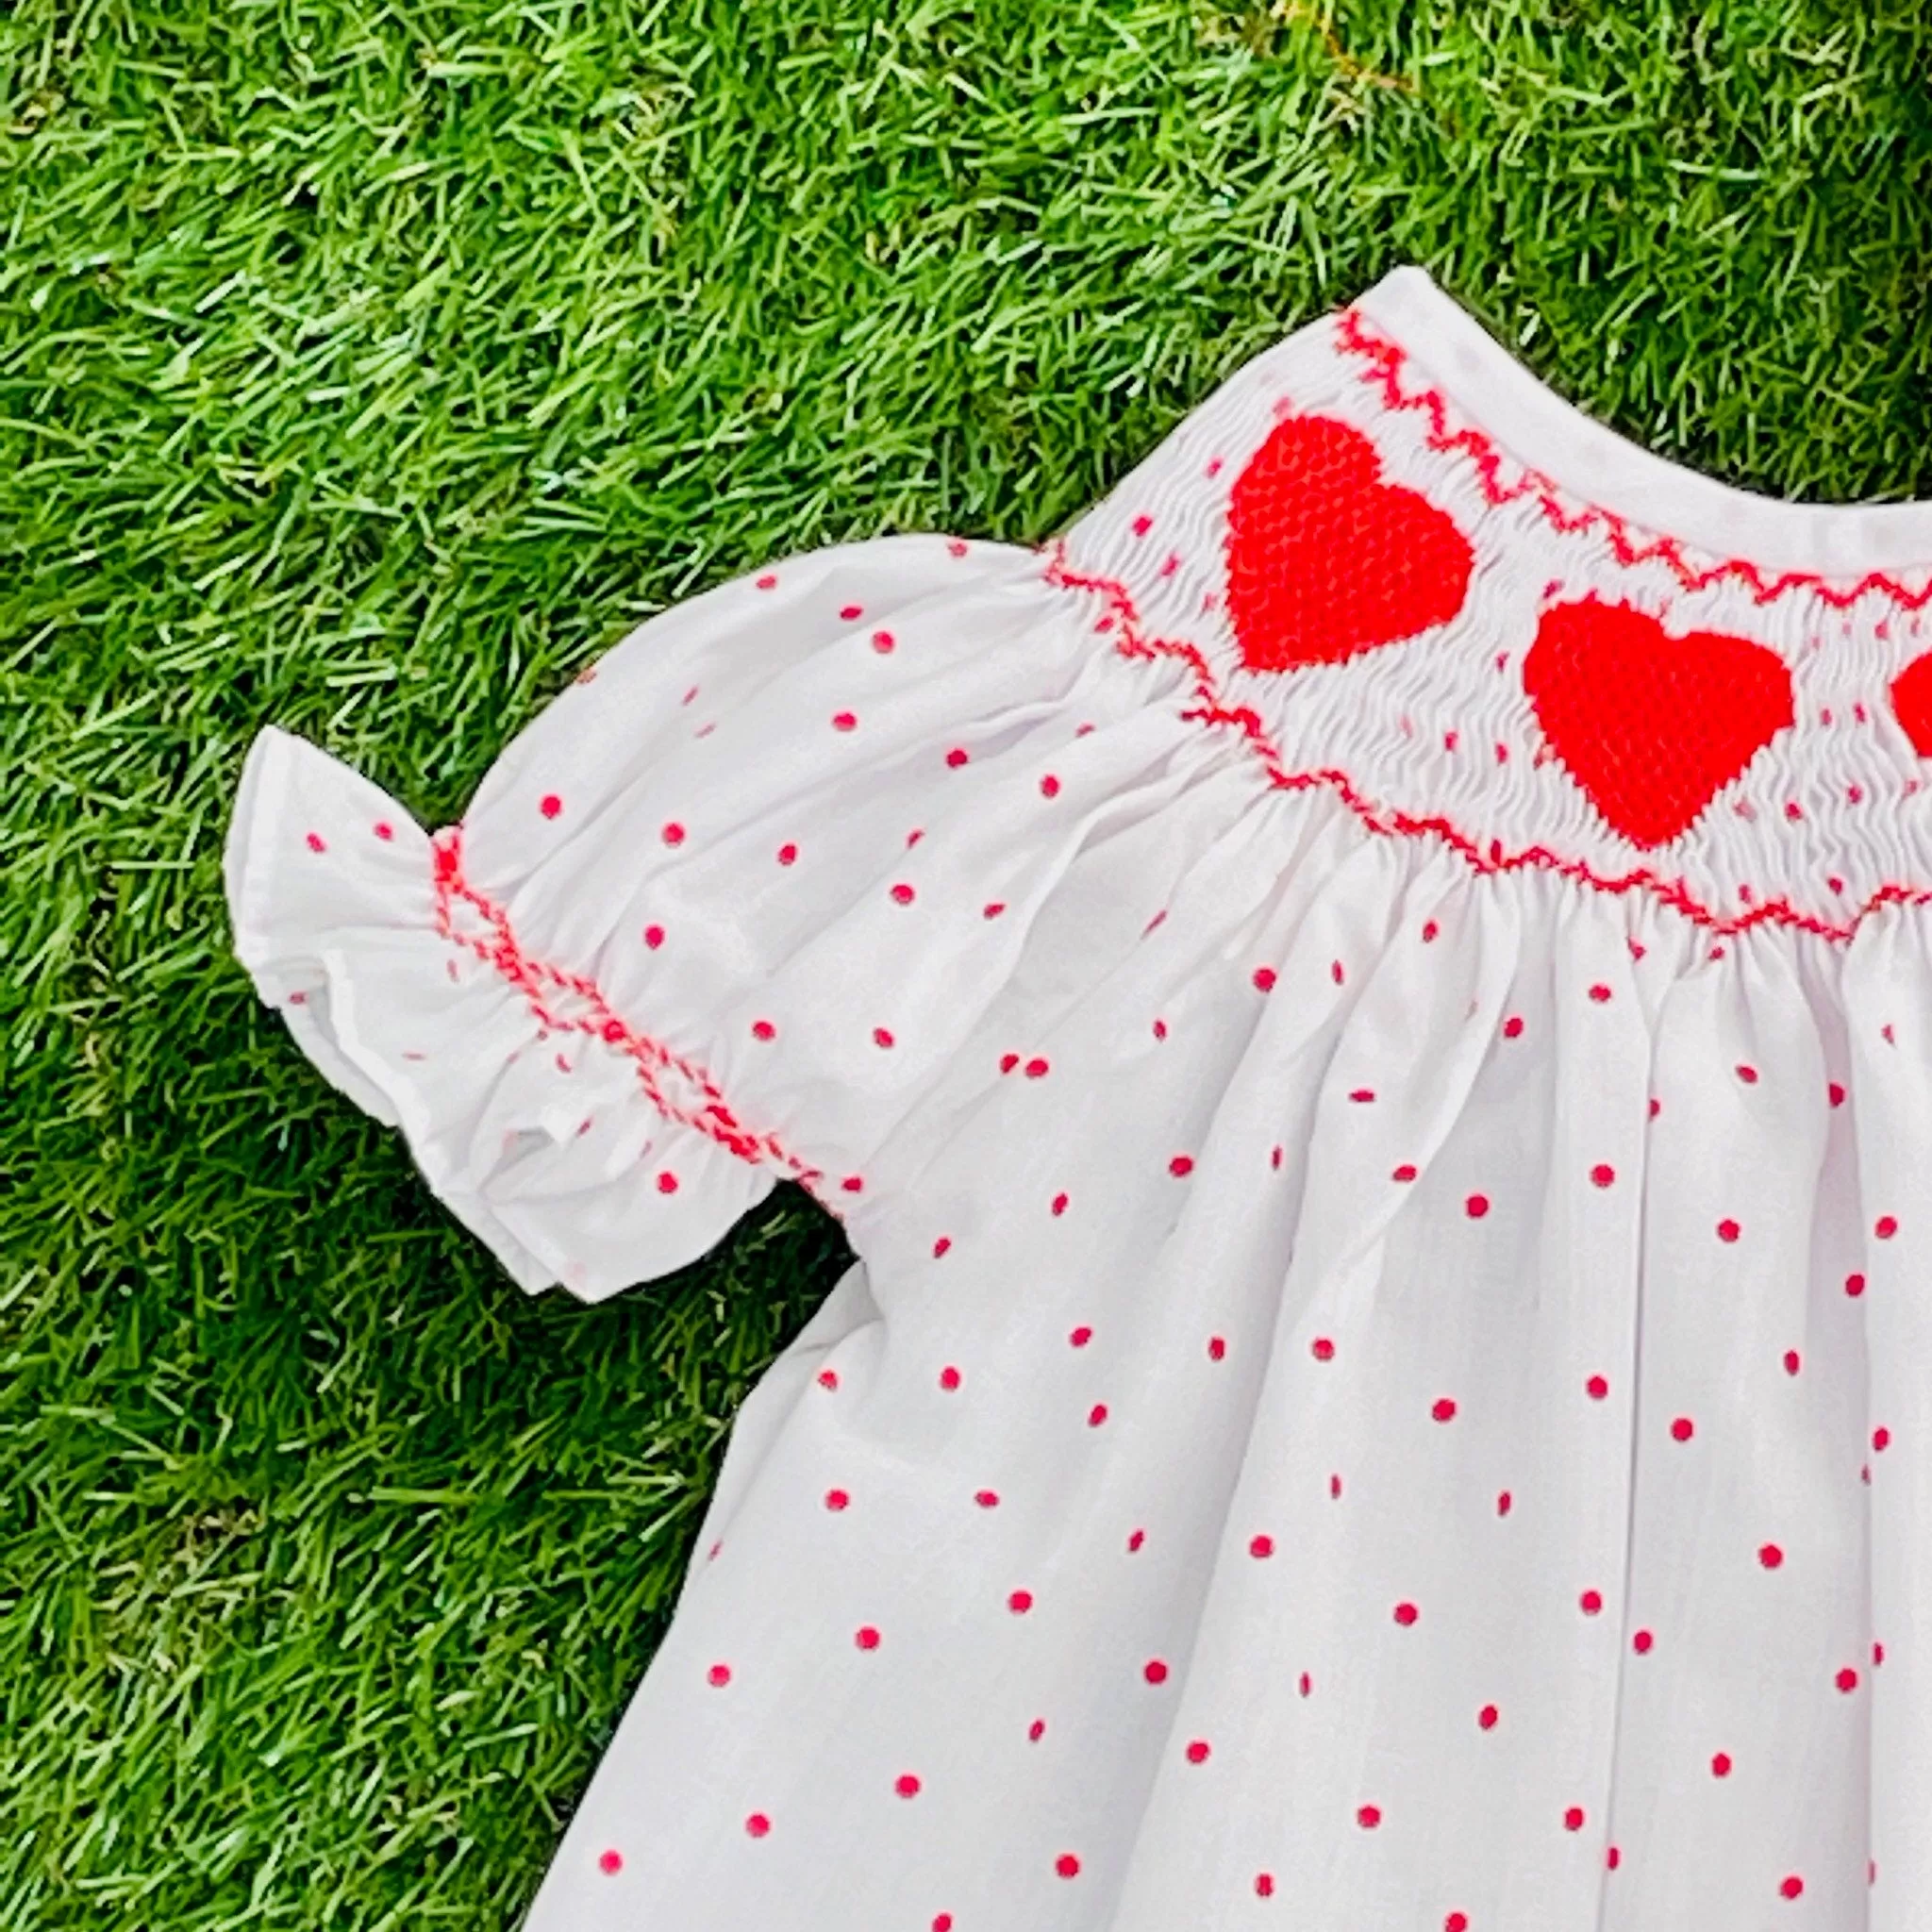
{"x": 1911, "y": 698}
{"x": 1395, "y": 824}
{"x": 1324, "y": 560}
{"x": 1652, "y": 727}
{"x": 570, "y": 1002}
{"x": 1386, "y": 358}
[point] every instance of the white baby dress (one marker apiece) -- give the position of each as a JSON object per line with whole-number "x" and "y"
{"x": 1367, "y": 1013}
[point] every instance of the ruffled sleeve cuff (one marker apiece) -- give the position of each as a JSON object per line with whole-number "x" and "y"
{"x": 535, "y": 1115}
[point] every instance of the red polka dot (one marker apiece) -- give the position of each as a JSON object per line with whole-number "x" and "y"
{"x": 1429, "y": 930}
{"x": 1728, "y": 1230}
{"x": 1477, "y": 1206}
{"x": 866, "y": 1637}
{"x": 719, "y": 1674}
{"x": 1155, "y": 1671}
{"x": 949, "y": 1377}
{"x": 1197, "y": 1751}
{"x": 1020, "y": 1602}
{"x": 1854, "y": 1285}
{"x": 835, "y": 1499}
{"x": 788, "y": 853}
{"x": 881, "y": 1037}
{"x": 1264, "y": 1884}
{"x": 944, "y": 1922}
{"x": 1217, "y": 1348}
{"x": 1792, "y": 1886}
{"x": 1599, "y": 993}
{"x": 1050, "y": 785}
{"x": 1305, "y": 1684}
{"x": 384, "y": 830}
{"x": 315, "y": 843}
{"x": 767, "y": 581}
{"x": 939, "y": 1246}
{"x": 1603, "y": 1174}
{"x": 957, "y": 756}
{"x": 1748, "y": 1075}
{"x": 550, "y": 805}
{"x": 1640, "y": 1643}
{"x": 1721, "y": 1765}
{"x": 758, "y": 1824}
{"x": 1885, "y": 1226}
{"x": 850, "y": 614}
{"x": 1487, "y": 1717}
{"x": 1261, "y": 1546}
{"x": 1037, "y": 1729}
{"x": 1034, "y": 1068}
{"x": 1770, "y": 1556}
{"x": 1596, "y": 1387}
{"x": 1573, "y": 1819}
{"x": 1512, "y": 1027}
{"x": 610, "y": 1862}
{"x": 1794, "y": 1362}
{"x": 1847, "y": 1679}
{"x": 1182, "y": 1164}
{"x": 1335, "y": 1486}
{"x": 1081, "y": 1336}
{"x": 762, "y": 1029}
{"x": 1405, "y": 1173}
{"x": 906, "y": 1785}
{"x": 903, "y": 893}
{"x": 1264, "y": 977}
{"x": 1321, "y": 1348}
{"x": 1683, "y": 1429}
{"x": 1362, "y": 1095}
{"x": 1134, "y": 1541}
{"x": 1369, "y": 1816}
{"x": 1591, "y": 1602}
{"x": 653, "y": 936}
{"x": 1406, "y": 1614}
{"x": 1067, "y": 1865}
{"x": 1444, "y": 1408}
{"x": 1059, "y": 1204}
{"x": 1335, "y": 972}
{"x": 1881, "y": 1437}
{"x": 1613, "y": 1857}
{"x": 1096, "y": 1415}
{"x": 674, "y": 833}
{"x": 882, "y": 641}
{"x": 667, "y": 1182}
{"x": 1502, "y": 1503}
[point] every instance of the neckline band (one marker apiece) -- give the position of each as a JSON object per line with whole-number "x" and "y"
{"x": 1594, "y": 464}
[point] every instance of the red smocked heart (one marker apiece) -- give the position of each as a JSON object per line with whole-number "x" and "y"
{"x": 1323, "y": 560}
{"x": 1652, "y": 727}
{"x": 1911, "y": 701}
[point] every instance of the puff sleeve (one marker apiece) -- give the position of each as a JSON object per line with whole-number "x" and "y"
{"x": 717, "y": 918}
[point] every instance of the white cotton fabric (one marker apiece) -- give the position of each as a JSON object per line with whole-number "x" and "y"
{"x": 1376, "y": 1394}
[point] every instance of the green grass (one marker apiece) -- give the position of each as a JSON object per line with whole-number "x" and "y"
{"x": 369, "y": 369}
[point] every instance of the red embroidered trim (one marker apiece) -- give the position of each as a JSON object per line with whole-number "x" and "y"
{"x": 540, "y": 983}
{"x": 1132, "y": 642}
{"x": 1387, "y": 358}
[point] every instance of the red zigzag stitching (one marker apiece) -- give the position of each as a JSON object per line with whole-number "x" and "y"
{"x": 1394, "y": 823}
{"x": 540, "y": 982}
{"x": 1387, "y": 358}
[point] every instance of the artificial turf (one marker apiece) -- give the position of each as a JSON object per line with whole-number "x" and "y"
{"x": 369, "y": 369}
